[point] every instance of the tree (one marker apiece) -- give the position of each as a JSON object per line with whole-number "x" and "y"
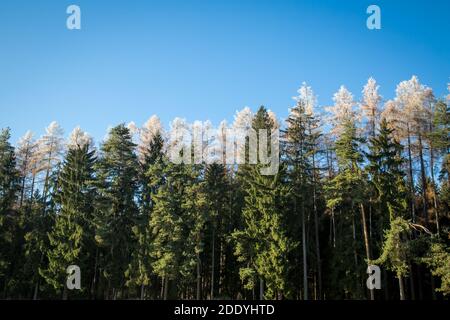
{"x": 396, "y": 252}
{"x": 370, "y": 104}
{"x": 72, "y": 235}
{"x": 346, "y": 193}
{"x": 385, "y": 169}
{"x": 216, "y": 187}
{"x": 117, "y": 172}
{"x": 342, "y": 110}
{"x": 151, "y": 160}
{"x": 50, "y": 148}
{"x": 438, "y": 260}
{"x": 301, "y": 139}
{"x": 26, "y": 156}
{"x": 263, "y": 243}
{"x": 9, "y": 187}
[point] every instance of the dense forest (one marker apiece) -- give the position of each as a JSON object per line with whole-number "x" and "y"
{"x": 364, "y": 181}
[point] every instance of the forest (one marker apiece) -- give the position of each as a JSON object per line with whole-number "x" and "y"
{"x": 365, "y": 181}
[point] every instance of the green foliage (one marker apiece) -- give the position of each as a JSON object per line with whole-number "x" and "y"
{"x": 438, "y": 259}
{"x": 72, "y": 236}
{"x": 118, "y": 177}
{"x": 396, "y": 252}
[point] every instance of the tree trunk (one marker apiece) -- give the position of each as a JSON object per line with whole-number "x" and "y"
{"x": 434, "y": 189}
{"x": 213, "y": 261}
{"x": 199, "y": 277}
{"x": 316, "y": 229}
{"x": 411, "y": 179}
{"x": 366, "y": 244}
{"x": 142, "y": 291}
{"x": 401, "y": 288}
{"x": 424, "y": 181}
{"x": 305, "y": 259}
{"x": 166, "y": 287}
{"x": 261, "y": 289}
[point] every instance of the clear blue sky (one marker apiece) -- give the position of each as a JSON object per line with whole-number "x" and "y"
{"x": 204, "y": 59}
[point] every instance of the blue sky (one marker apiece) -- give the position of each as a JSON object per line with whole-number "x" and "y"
{"x": 204, "y": 59}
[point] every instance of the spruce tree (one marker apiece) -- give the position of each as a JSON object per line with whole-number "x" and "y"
{"x": 346, "y": 195}
{"x": 262, "y": 245}
{"x": 118, "y": 174}
{"x": 385, "y": 169}
{"x": 300, "y": 148}
{"x": 72, "y": 236}
{"x": 9, "y": 217}
{"x": 139, "y": 270}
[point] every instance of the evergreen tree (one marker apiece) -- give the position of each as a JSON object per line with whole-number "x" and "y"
{"x": 151, "y": 165}
{"x": 301, "y": 141}
{"x": 385, "y": 168}
{"x": 262, "y": 246}
{"x": 346, "y": 194}
{"x": 9, "y": 219}
{"x": 117, "y": 172}
{"x": 72, "y": 236}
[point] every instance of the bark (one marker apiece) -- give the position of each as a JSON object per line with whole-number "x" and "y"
{"x": 411, "y": 178}
{"x": 401, "y": 288}
{"x": 305, "y": 260}
{"x": 213, "y": 261}
{"x": 424, "y": 181}
{"x": 366, "y": 244}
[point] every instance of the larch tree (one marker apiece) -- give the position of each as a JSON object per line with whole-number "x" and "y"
{"x": 370, "y": 105}
{"x": 342, "y": 111}
{"x": 50, "y": 149}
{"x": 26, "y": 156}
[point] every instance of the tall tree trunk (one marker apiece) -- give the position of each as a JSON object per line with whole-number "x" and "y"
{"x": 213, "y": 260}
{"x": 334, "y": 227}
{"x": 401, "y": 288}
{"x": 316, "y": 229}
{"x": 199, "y": 277}
{"x": 142, "y": 291}
{"x": 305, "y": 258}
{"x": 411, "y": 283}
{"x": 424, "y": 181}
{"x": 261, "y": 289}
{"x": 166, "y": 287}
{"x": 411, "y": 178}
{"x": 433, "y": 181}
{"x": 366, "y": 244}
{"x": 94, "y": 278}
